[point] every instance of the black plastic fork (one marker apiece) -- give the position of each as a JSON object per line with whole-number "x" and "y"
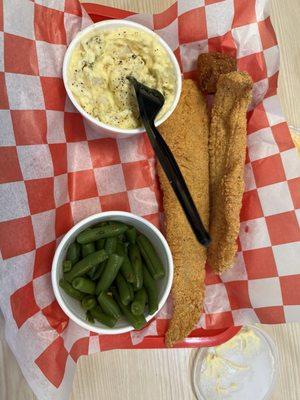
{"x": 150, "y": 102}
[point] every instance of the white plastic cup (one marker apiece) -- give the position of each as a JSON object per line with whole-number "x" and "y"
{"x": 72, "y": 307}
{"x": 94, "y": 123}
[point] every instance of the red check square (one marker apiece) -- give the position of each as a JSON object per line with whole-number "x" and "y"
{"x": 162, "y": 20}
{"x": 54, "y": 20}
{"x": 10, "y": 170}
{"x": 20, "y": 55}
{"x": 40, "y": 194}
{"x": 120, "y": 341}
{"x": 223, "y": 44}
{"x": 260, "y": 263}
{"x": 20, "y": 312}
{"x": 267, "y": 34}
{"x": 270, "y": 315}
{"x": 104, "y": 152}
{"x": 208, "y": 2}
{"x": 73, "y": 7}
{"x": 273, "y": 85}
{"x": 251, "y": 207}
{"x": 3, "y": 98}
{"x": 255, "y": 65}
{"x": 294, "y": 186}
{"x": 192, "y": 26}
{"x": 43, "y": 259}
{"x": 116, "y": 202}
{"x": 59, "y": 158}
{"x": 219, "y": 320}
{"x": 74, "y": 128}
{"x": 56, "y": 317}
{"x": 257, "y": 119}
{"x": 80, "y": 348}
{"x": 54, "y": 93}
{"x": 30, "y": 126}
{"x": 54, "y": 355}
{"x": 63, "y": 220}
{"x": 268, "y": 170}
{"x": 283, "y": 228}
{"x": 155, "y": 220}
{"x": 282, "y": 136}
{"x": 238, "y": 294}
{"x": 16, "y": 237}
{"x": 82, "y": 185}
{"x": 244, "y": 13}
{"x": 290, "y": 289}
{"x": 144, "y": 146}
{"x": 137, "y": 174}
{"x": 210, "y": 277}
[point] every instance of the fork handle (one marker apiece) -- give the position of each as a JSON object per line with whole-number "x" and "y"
{"x": 177, "y": 182}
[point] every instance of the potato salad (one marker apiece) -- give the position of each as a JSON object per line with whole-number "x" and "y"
{"x": 98, "y": 72}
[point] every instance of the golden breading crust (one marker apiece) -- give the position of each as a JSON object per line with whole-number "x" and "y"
{"x": 210, "y": 66}
{"x": 186, "y": 133}
{"x": 227, "y": 149}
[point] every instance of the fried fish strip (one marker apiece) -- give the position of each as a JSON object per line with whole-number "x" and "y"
{"x": 227, "y": 149}
{"x": 209, "y": 68}
{"x": 186, "y": 133}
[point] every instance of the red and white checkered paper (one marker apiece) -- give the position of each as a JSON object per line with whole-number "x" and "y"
{"x": 55, "y": 171}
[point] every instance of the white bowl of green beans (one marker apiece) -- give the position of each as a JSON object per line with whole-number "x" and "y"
{"x": 112, "y": 272}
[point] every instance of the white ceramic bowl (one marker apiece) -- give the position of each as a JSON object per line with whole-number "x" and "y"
{"x": 94, "y": 123}
{"x": 72, "y": 307}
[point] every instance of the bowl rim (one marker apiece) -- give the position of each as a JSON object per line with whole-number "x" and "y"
{"x": 110, "y": 24}
{"x": 71, "y": 232}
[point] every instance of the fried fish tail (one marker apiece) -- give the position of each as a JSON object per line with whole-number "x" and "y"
{"x": 227, "y": 150}
{"x": 186, "y": 133}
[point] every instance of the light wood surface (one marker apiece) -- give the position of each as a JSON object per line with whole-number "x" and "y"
{"x": 166, "y": 374}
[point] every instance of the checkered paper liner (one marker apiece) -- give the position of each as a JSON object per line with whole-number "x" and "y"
{"x": 54, "y": 171}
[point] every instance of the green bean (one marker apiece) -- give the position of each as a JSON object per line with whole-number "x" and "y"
{"x": 69, "y": 290}
{"x": 131, "y": 235}
{"x": 131, "y": 291}
{"x": 95, "y": 273}
{"x": 152, "y": 260}
{"x": 108, "y": 305}
{"x": 89, "y": 317}
{"x": 136, "y": 261}
{"x": 103, "y": 318}
{"x": 126, "y": 267}
{"x": 104, "y": 223}
{"x": 109, "y": 274}
{"x": 83, "y": 266}
{"x": 88, "y": 302}
{"x": 67, "y": 265}
{"x": 123, "y": 288}
{"x": 100, "y": 244}
{"x": 84, "y": 285}
{"x": 110, "y": 245}
{"x": 150, "y": 286}
{"x": 73, "y": 253}
{"x": 138, "y": 322}
{"x": 114, "y": 229}
{"x": 87, "y": 249}
{"x": 122, "y": 238}
{"x": 139, "y": 302}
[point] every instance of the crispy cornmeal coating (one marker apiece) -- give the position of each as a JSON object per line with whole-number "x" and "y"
{"x": 209, "y": 68}
{"x": 186, "y": 133}
{"x": 227, "y": 150}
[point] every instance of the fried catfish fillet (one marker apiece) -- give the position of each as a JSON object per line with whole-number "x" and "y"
{"x": 227, "y": 150}
{"x": 209, "y": 68}
{"x": 186, "y": 132}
